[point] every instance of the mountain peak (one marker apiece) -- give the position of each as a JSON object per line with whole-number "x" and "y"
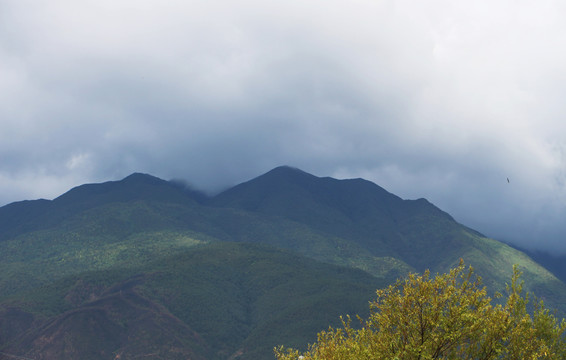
{"x": 137, "y": 186}
{"x": 286, "y": 169}
{"x": 143, "y": 178}
{"x": 287, "y": 172}
{"x": 288, "y": 190}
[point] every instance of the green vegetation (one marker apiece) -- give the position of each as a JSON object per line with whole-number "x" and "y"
{"x": 236, "y": 297}
{"x": 270, "y": 261}
{"x": 449, "y": 316}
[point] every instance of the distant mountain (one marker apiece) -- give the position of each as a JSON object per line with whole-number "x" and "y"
{"x": 555, "y": 263}
{"x": 372, "y": 227}
{"x": 161, "y": 269}
{"x": 25, "y": 216}
{"x": 355, "y": 209}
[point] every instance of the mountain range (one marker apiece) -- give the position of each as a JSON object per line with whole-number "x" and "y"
{"x": 144, "y": 267}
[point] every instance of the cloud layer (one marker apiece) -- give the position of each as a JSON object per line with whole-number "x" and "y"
{"x": 443, "y": 99}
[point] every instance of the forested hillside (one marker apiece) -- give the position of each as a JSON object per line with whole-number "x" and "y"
{"x": 156, "y": 268}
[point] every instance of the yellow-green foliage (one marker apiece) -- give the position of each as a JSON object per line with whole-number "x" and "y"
{"x": 448, "y": 316}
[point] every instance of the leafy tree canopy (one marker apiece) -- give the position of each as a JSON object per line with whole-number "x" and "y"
{"x": 448, "y": 316}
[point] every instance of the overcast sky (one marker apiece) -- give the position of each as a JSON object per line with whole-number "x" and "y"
{"x": 442, "y": 99}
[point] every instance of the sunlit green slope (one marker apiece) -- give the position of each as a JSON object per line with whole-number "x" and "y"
{"x": 208, "y": 302}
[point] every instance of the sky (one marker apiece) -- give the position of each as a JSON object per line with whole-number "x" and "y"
{"x": 459, "y": 102}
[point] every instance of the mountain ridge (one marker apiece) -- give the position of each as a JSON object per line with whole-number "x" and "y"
{"x": 57, "y": 254}
{"x": 354, "y": 208}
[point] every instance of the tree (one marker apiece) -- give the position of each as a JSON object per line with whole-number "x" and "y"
{"x": 448, "y": 316}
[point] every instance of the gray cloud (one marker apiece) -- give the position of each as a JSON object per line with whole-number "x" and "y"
{"x": 443, "y": 99}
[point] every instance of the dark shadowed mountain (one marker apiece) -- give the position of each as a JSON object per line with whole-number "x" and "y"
{"x": 25, "y": 216}
{"x": 356, "y": 209}
{"x": 373, "y": 229}
{"x": 161, "y": 271}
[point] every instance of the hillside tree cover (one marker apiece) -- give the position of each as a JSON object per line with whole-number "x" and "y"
{"x": 448, "y": 316}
